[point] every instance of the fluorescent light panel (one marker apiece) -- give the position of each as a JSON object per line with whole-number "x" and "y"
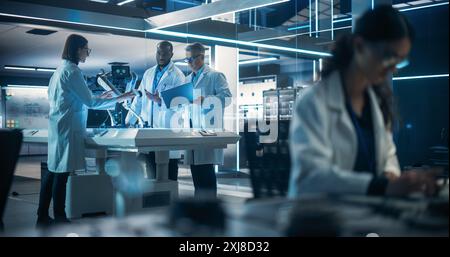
{"x": 24, "y": 87}
{"x": 421, "y": 77}
{"x": 420, "y": 2}
{"x": 401, "y": 5}
{"x": 217, "y": 14}
{"x": 342, "y": 20}
{"x": 100, "y": 1}
{"x": 423, "y": 7}
{"x": 19, "y": 68}
{"x": 45, "y": 69}
{"x": 237, "y": 42}
{"x": 125, "y": 2}
{"x": 9, "y": 67}
{"x": 260, "y": 60}
{"x": 181, "y": 63}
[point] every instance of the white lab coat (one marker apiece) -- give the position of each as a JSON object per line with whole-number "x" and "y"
{"x": 69, "y": 98}
{"x": 210, "y": 83}
{"x": 143, "y": 106}
{"x": 323, "y": 143}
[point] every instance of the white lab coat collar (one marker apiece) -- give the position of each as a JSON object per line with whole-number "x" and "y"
{"x": 152, "y": 71}
{"x": 206, "y": 69}
{"x": 169, "y": 68}
{"x": 336, "y": 102}
{"x": 334, "y": 91}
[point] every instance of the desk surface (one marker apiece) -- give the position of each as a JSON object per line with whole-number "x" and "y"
{"x": 356, "y": 216}
{"x": 145, "y": 138}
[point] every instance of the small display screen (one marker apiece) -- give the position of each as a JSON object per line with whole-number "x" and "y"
{"x": 120, "y": 72}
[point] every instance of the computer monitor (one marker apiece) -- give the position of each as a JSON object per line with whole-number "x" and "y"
{"x": 97, "y": 118}
{"x": 120, "y": 72}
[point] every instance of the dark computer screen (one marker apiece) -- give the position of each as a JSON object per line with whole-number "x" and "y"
{"x": 120, "y": 72}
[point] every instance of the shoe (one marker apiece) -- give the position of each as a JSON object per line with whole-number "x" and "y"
{"x": 44, "y": 222}
{"x": 62, "y": 220}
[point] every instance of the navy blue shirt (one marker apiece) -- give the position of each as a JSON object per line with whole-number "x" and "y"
{"x": 365, "y": 158}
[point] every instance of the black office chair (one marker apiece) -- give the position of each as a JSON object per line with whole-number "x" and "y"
{"x": 10, "y": 143}
{"x": 269, "y": 164}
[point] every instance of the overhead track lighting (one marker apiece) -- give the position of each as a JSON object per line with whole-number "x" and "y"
{"x": 423, "y": 7}
{"x": 25, "y": 68}
{"x": 125, "y": 2}
{"x": 10, "y": 86}
{"x": 259, "y": 60}
{"x": 421, "y": 77}
{"x": 206, "y": 11}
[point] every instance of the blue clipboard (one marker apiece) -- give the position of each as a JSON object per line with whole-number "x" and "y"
{"x": 185, "y": 90}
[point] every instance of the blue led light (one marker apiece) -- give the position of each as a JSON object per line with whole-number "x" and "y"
{"x": 402, "y": 64}
{"x": 260, "y": 60}
{"x": 237, "y": 42}
{"x": 408, "y": 126}
{"x": 342, "y": 20}
{"x": 299, "y": 27}
{"x": 421, "y": 77}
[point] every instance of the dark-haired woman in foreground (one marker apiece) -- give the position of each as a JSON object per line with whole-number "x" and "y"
{"x": 341, "y": 133}
{"x": 69, "y": 98}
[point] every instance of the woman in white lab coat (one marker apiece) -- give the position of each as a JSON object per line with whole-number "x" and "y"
{"x": 341, "y": 132}
{"x": 69, "y": 99}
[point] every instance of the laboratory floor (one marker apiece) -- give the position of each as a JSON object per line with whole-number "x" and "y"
{"x": 20, "y": 213}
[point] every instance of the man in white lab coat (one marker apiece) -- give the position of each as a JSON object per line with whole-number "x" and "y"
{"x": 210, "y": 93}
{"x": 150, "y": 107}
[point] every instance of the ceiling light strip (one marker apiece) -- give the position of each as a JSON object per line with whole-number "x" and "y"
{"x": 258, "y": 60}
{"x": 237, "y": 42}
{"x": 125, "y": 2}
{"x": 421, "y": 77}
{"x": 422, "y": 7}
{"x": 178, "y": 34}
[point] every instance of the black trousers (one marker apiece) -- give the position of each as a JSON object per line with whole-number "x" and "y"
{"x": 203, "y": 176}
{"x": 53, "y": 185}
{"x": 205, "y": 181}
{"x": 173, "y": 167}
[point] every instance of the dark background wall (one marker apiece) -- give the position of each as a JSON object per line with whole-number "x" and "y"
{"x": 423, "y": 103}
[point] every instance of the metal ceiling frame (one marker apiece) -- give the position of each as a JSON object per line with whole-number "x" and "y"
{"x": 206, "y": 11}
{"x": 27, "y": 13}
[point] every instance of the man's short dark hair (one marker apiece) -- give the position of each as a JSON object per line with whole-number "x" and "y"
{"x": 196, "y": 47}
{"x": 165, "y": 43}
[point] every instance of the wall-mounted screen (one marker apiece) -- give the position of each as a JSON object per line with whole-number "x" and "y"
{"x": 26, "y": 107}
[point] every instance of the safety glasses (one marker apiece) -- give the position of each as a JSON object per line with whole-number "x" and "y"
{"x": 89, "y": 50}
{"x": 388, "y": 57}
{"x": 191, "y": 59}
